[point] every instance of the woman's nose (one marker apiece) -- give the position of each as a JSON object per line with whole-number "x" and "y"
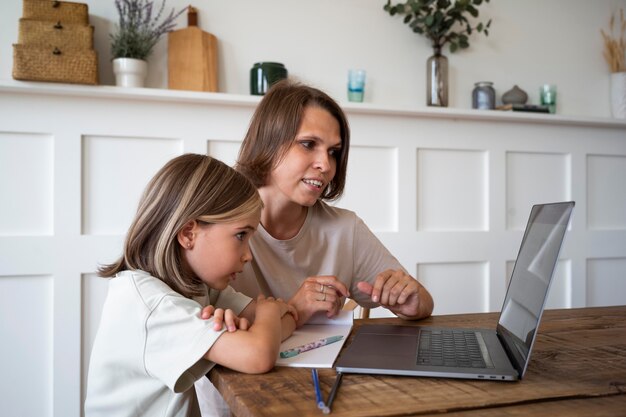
{"x": 322, "y": 161}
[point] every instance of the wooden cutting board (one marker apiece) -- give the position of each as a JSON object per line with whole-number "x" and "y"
{"x": 192, "y": 57}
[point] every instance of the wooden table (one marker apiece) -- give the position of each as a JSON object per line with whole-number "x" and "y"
{"x": 577, "y": 368}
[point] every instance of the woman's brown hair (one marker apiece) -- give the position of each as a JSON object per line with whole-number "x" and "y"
{"x": 273, "y": 129}
{"x": 189, "y": 187}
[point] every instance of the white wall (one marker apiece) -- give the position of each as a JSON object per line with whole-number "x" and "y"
{"x": 531, "y": 42}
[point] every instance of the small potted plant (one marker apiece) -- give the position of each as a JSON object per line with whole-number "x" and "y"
{"x": 442, "y": 22}
{"x": 137, "y": 32}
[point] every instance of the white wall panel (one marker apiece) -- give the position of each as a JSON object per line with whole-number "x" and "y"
{"x": 225, "y": 151}
{"x": 533, "y": 178}
{"x": 606, "y": 192}
{"x": 26, "y": 161}
{"x": 26, "y": 309}
{"x": 457, "y": 287}
{"x": 452, "y": 190}
{"x": 372, "y": 185}
{"x": 115, "y": 172}
{"x": 606, "y": 282}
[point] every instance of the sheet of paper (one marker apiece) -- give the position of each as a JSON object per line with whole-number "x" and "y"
{"x": 317, "y": 328}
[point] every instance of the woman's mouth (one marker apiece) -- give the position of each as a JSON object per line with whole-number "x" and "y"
{"x": 314, "y": 183}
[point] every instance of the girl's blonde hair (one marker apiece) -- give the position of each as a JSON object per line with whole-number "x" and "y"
{"x": 189, "y": 187}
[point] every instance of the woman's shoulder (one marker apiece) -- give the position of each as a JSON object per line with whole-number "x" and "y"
{"x": 322, "y": 209}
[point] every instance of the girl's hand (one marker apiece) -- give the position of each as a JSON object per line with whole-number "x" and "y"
{"x": 221, "y": 317}
{"x": 319, "y": 293}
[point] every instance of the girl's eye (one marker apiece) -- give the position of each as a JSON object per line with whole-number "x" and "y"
{"x": 240, "y": 236}
{"x": 334, "y": 153}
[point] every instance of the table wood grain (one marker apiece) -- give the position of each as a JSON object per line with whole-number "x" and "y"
{"x": 577, "y": 368}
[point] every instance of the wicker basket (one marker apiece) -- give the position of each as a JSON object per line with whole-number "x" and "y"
{"x": 49, "y": 34}
{"x": 56, "y": 11}
{"x": 32, "y": 63}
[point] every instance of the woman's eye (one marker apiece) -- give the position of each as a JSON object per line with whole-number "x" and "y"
{"x": 334, "y": 152}
{"x": 240, "y": 235}
{"x": 309, "y": 144}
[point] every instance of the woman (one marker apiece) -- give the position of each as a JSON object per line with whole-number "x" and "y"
{"x": 306, "y": 251}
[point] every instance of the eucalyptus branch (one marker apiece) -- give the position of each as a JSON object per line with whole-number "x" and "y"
{"x": 436, "y": 19}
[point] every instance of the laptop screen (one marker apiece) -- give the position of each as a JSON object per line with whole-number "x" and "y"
{"x": 530, "y": 281}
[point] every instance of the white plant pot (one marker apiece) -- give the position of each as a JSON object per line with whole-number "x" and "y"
{"x": 618, "y": 95}
{"x": 130, "y": 72}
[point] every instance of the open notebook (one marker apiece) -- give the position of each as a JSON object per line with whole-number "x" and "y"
{"x": 318, "y": 327}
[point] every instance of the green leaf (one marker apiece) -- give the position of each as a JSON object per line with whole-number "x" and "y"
{"x": 407, "y": 18}
{"x": 453, "y": 47}
{"x": 418, "y": 29}
{"x": 429, "y": 20}
{"x": 479, "y": 28}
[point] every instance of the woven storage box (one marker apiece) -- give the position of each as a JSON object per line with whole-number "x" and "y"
{"x": 67, "y": 36}
{"x": 32, "y": 63}
{"x": 56, "y": 11}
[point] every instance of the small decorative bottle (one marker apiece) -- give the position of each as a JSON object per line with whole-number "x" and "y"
{"x": 484, "y": 96}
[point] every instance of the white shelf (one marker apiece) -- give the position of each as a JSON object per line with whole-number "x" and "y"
{"x": 238, "y": 100}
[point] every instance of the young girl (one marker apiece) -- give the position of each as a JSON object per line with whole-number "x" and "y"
{"x": 305, "y": 251}
{"x": 189, "y": 239}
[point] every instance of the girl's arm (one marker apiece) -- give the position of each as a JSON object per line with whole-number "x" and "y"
{"x": 289, "y": 320}
{"x": 255, "y": 350}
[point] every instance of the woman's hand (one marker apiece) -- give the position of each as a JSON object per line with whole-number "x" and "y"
{"x": 221, "y": 317}
{"x": 400, "y": 293}
{"x": 319, "y": 293}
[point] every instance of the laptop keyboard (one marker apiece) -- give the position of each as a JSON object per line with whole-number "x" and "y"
{"x": 457, "y": 348}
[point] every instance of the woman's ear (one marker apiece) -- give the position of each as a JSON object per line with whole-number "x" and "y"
{"x": 186, "y": 235}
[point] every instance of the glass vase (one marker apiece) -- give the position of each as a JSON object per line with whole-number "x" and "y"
{"x": 437, "y": 80}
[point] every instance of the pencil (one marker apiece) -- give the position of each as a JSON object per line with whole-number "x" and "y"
{"x": 318, "y": 393}
{"x": 333, "y": 391}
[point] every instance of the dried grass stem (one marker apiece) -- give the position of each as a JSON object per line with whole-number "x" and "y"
{"x": 615, "y": 46}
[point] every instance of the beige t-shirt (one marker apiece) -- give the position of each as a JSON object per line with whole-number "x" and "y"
{"x": 332, "y": 241}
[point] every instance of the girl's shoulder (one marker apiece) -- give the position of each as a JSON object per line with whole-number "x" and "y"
{"x": 150, "y": 289}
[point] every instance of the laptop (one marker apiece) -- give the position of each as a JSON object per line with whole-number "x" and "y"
{"x": 500, "y": 354}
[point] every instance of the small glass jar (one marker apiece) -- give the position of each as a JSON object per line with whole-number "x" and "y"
{"x": 484, "y": 96}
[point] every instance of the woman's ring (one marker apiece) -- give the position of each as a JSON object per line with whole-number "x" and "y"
{"x": 324, "y": 299}
{"x": 322, "y": 288}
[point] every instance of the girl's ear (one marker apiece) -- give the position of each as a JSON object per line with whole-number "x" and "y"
{"x": 186, "y": 235}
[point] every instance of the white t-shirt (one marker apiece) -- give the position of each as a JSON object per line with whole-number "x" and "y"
{"x": 332, "y": 241}
{"x": 149, "y": 348}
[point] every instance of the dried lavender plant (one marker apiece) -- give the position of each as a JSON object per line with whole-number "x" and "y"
{"x": 615, "y": 46}
{"x": 138, "y": 31}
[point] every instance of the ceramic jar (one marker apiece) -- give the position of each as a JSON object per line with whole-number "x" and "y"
{"x": 515, "y": 96}
{"x": 484, "y": 96}
{"x": 264, "y": 74}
